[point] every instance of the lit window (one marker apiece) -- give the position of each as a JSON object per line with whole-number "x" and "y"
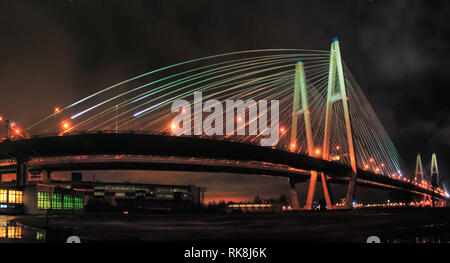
{"x": 78, "y": 203}
{"x": 3, "y": 232}
{"x": 14, "y": 197}
{"x": 43, "y": 200}
{"x": 68, "y": 202}
{"x": 14, "y": 232}
{"x": 3, "y": 196}
{"x": 57, "y": 201}
{"x": 40, "y": 236}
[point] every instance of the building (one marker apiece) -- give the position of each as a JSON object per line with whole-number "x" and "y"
{"x": 135, "y": 196}
{"x": 68, "y": 197}
{"x": 37, "y": 199}
{"x": 255, "y": 208}
{"x": 11, "y": 200}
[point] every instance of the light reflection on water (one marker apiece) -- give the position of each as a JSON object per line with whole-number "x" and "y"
{"x": 418, "y": 240}
{"x": 10, "y": 231}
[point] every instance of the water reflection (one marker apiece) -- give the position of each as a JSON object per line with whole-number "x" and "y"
{"x": 418, "y": 240}
{"x": 10, "y": 231}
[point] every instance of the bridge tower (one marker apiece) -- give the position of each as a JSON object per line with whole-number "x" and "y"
{"x": 434, "y": 176}
{"x": 333, "y": 97}
{"x": 300, "y": 92}
{"x": 435, "y": 171}
{"x": 418, "y": 175}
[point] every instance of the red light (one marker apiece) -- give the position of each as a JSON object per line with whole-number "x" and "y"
{"x": 18, "y": 131}
{"x": 57, "y": 109}
{"x": 338, "y": 148}
{"x": 371, "y": 160}
{"x": 282, "y": 129}
{"x": 1, "y": 118}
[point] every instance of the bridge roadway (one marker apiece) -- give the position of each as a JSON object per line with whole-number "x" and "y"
{"x": 179, "y": 153}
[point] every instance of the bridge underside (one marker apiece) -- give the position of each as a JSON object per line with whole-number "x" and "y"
{"x": 181, "y": 154}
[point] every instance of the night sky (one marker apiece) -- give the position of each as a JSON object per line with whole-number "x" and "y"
{"x": 56, "y": 52}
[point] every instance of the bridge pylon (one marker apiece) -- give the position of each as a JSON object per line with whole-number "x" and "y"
{"x": 336, "y": 68}
{"x": 434, "y": 176}
{"x": 435, "y": 170}
{"x": 418, "y": 175}
{"x": 300, "y": 93}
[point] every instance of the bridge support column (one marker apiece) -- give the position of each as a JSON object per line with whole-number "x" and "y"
{"x": 301, "y": 95}
{"x": 22, "y": 171}
{"x": 336, "y": 68}
{"x": 350, "y": 196}
{"x": 294, "y": 196}
{"x": 326, "y": 191}
{"x": 46, "y": 176}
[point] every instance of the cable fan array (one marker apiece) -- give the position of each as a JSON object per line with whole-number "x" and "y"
{"x": 143, "y": 103}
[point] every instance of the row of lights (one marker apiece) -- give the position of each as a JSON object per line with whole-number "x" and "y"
{"x": 377, "y": 170}
{"x": 65, "y": 125}
{"x": 13, "y": 126}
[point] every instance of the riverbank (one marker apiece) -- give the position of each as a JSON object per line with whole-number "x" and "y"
{"x": 391, "y": 225}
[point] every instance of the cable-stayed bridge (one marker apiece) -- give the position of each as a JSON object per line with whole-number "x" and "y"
{"x": 326, "y": 130}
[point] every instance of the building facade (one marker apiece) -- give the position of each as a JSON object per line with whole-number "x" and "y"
{"x": 38, "y": 199}
{"x": 133, "y": 196}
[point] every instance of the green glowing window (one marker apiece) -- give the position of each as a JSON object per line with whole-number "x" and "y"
{"x": 57, "y": 201}
{"x": 78, "y": 203}
{"x": 68, "y": 202}
{"x": 40, "y": 236}
{"x": 43, "y": 200}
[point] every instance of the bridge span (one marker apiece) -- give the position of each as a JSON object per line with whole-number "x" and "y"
{"x": 132, "y": 151}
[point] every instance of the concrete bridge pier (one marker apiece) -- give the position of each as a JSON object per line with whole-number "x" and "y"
{"x": 46, "y": 176}
{"x": 294, "y": 195}
{"x": 351, "y": 189}
{"x": 22, "y": 171}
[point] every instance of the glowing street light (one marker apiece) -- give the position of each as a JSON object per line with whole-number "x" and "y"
{"x": 282, "y": 130}
{"x": 173, "y": 127}
{"x": 317, "y": 151}
{"x": 1, "y": 118}
{"x": 66, "y": 125}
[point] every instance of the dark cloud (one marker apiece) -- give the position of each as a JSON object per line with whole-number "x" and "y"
{"x": 54, "y": 52}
